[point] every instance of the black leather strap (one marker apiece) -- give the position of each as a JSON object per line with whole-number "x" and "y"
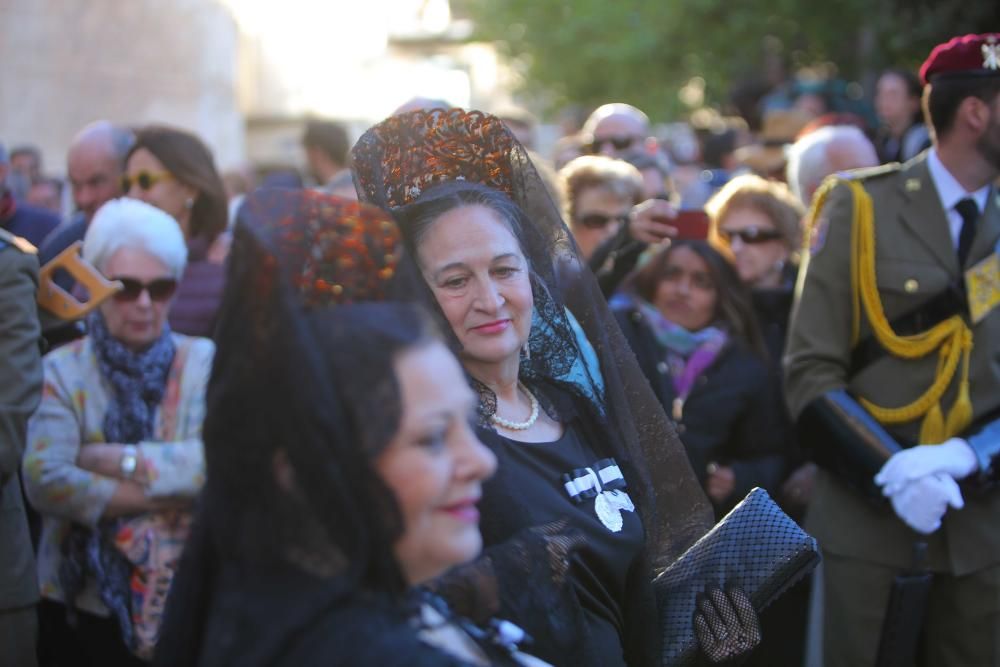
{"x": 845, "y": 439}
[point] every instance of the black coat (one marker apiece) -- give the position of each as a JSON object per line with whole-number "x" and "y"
{"x": 729, "y": 417}
{"x": 287, "y": 618}
{"x": 773, "y": 308}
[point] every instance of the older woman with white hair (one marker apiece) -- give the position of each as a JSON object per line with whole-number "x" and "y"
{"x": 114, "y": 457}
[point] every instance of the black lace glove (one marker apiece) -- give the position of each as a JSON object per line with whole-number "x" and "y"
{"x": 726, "y": 624}
{"x": 536, "y": 560}
{"x": 524, "y": 580}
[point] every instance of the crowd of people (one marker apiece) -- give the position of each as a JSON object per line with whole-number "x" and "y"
{"x": 445, "y": 401}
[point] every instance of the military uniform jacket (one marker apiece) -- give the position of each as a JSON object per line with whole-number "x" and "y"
{"x": 20, "y": 390}
{"x": 915, "y": 261}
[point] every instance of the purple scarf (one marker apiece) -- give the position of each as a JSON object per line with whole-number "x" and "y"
{"x": 688, "y": 353}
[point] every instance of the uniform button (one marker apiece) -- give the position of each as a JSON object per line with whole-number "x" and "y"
{"x": 661, "y": 367}
{"x": 702, "y": 380}
{"x": 636, "y": 317}
{"x": 911, "y": 286}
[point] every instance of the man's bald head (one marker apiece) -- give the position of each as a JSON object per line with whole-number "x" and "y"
{"x": 615, "y": 129}
{"x": 95, "y": 162}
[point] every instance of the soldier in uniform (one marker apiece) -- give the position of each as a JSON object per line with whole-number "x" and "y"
{"x": 894, "y": 355}
{"x": 20, "y": 391}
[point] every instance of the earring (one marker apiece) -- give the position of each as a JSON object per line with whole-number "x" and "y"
{"x": 526, "y": 352}
{"x": 189, "y": 203}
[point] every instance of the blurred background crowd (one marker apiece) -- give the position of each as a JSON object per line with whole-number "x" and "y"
{"x": 632, "y": 113}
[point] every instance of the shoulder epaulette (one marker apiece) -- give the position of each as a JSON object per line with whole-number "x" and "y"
{"x": 865, "y": 173}
{"x": 6, "y": 239}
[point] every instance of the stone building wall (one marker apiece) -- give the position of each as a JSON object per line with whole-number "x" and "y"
{"x": 64, "y": 63}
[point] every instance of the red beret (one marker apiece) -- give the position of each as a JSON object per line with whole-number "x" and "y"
{"x": 977, "y": 55}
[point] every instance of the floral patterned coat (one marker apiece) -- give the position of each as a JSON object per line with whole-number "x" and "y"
{"x": 75, "y": 398}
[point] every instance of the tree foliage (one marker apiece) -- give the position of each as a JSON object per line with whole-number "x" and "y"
{"x": 644, "y": 51}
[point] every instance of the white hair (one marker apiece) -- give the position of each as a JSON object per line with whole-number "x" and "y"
{"x": 130, "y": 223}
{"x": 614, "y": 109}
{"x": 810, "y": 159}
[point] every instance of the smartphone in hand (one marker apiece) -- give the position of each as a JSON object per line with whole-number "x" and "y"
{"x": 691, "y": 224}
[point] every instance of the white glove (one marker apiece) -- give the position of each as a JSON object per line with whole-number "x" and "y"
{"x": 922, "y": 502}
{"x": 953, "y": 457}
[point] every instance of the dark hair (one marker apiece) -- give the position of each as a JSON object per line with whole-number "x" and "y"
{"x": 945, "y": 94}
{"x": 911, "y": 82}
{"x": 734, "y": 306}
{"x": 909, "y": 79}
{"x": 359, "y": 346}
{"x": 549, "y": 311}
{"x": 417, "y": 218}
{"x": 329, "y": 137}
{"x": 362, "y": 343}
{"x": 33, "y": 151}
{"x": 716, "y": 145}
{"x": 188, "y": 160}
{"x": 328, "y": 407}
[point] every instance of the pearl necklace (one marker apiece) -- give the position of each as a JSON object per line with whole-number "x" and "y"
{"x": 519, "y": 426}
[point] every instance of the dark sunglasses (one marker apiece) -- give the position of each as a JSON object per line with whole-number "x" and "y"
{"x": 600, "y": 221}
{"x": 620, "y": 143}
{"x": 144, "y": 179}
{"x": 751, "y": 235}
{"x": 160, "y": 289}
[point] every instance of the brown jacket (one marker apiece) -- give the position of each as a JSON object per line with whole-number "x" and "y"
{"x": 915, "y": 260}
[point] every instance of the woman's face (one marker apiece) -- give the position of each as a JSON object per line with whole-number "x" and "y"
{"x": 686, "y": 294}
{"x": 759, "y": 249}
{"x": 479, "y": 276}
{"x": 598, "y": 215}
{"x": 149, "y": 181}
{"x": 893, "y": 103}
{"x": 435, "y": 464}
{"x": 137, "y": 322}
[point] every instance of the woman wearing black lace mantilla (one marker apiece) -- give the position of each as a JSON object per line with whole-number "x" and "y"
{"x": 343, "y": 471}
{"x": 577, "y": 432}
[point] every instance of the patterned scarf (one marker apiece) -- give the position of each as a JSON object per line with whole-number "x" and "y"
{"x": 138, "y": 384}
{"x": 688, "y": 353}
{"x": 138, "y": 381}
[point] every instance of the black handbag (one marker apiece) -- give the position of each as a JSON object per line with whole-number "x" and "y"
{"x": 756, "y": 547}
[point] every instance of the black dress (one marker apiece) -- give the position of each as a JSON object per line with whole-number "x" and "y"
{"x": 608, "y": 573}
{"x": 286, "y": 617}
{"x": 773, "y": 308}
{"x": 783, "y": 623}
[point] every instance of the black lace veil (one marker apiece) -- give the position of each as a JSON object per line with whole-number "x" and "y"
{"x": 273, "y": 396}
{"x": 408, "y": 161}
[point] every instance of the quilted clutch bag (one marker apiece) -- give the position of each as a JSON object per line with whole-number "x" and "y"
{"x": 756, "y": 547}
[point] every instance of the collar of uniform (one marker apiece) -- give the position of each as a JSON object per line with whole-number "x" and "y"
{"x": 950, "y": 190}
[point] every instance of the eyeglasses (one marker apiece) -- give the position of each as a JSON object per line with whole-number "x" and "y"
{"x": 750, "y": 235}
{"x": 160, "y": 289}
{"x": 145, "y": 180}
{"x": 599, "y": 220}
{"x": 620, "y": 143}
